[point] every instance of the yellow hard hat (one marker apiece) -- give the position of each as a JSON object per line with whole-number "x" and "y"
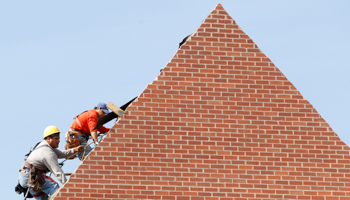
{"x": 50, "y": 130}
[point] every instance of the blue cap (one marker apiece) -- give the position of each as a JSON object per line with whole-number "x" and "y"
{"x": 103, "y": 106}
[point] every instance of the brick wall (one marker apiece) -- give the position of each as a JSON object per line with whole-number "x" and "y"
{"x": 219, "y": 122}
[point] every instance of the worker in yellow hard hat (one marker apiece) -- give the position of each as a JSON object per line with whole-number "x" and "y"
{"x": 43, "y": 159}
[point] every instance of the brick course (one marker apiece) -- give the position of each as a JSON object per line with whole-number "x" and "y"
{"x": 219, "y": 122}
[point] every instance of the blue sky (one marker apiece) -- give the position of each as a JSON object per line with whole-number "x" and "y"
{"x": 59, "y": 58}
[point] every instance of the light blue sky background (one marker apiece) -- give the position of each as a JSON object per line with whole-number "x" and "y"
{"x": 59, "y": 58}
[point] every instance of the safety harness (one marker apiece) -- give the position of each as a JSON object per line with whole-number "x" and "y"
{"x": 78, "y": 121}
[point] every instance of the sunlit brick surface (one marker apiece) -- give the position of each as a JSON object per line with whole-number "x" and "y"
{"x": 219, "y": 122}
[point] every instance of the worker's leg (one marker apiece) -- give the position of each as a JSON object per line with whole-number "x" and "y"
{"x": 87, "y": 150}
{"x": 47, "y": 189}
{"x": 23, "y": 178}
{"x": 50, "y": 186}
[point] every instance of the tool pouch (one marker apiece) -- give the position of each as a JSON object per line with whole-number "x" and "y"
{"x": 35, "y": 180}
{"x": 72, "y": 141}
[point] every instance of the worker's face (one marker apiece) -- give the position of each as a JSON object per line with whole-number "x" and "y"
{"x": 100, "y": 112}
{"x": 53, "y": 142}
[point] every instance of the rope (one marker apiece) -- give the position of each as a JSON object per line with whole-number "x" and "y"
{"x": 99, "y": 140}
{"x": 99, "y": 137}
{"x": 87, "y": 144}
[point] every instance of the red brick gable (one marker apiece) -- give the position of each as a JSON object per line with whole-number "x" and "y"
{"x": 219, "y": 122}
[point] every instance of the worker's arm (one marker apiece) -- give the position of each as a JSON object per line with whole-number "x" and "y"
{"x": 103, "y": 129}
{"x": 94, "y": 136}
{"x": 64, "y": 153}
{"x": 92, "y": 121}
{"x": 69, "y": 152}
{"x": 50, "y": 161}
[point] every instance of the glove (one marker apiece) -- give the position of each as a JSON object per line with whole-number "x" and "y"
{"x": 96, "y": 143}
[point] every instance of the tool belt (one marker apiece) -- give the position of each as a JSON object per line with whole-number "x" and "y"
{"x": 73, "y": 141}
{"x": 36, "y": 177}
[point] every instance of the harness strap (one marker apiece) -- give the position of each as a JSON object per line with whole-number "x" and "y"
{"x": 37, "y": 195}
{"x": 49, "y": 177}
{"x": 30, "y": 176}
{"x": 35, "y": 147}
{"x": 78, "y": 121}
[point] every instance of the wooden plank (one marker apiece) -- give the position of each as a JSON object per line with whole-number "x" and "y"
{"x": 110, "y": 116}
{"x": 105, "y": 119}
{"x": 115, "y": 109}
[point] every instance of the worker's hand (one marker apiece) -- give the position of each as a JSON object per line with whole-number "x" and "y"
{"x": 79, "y": 149}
